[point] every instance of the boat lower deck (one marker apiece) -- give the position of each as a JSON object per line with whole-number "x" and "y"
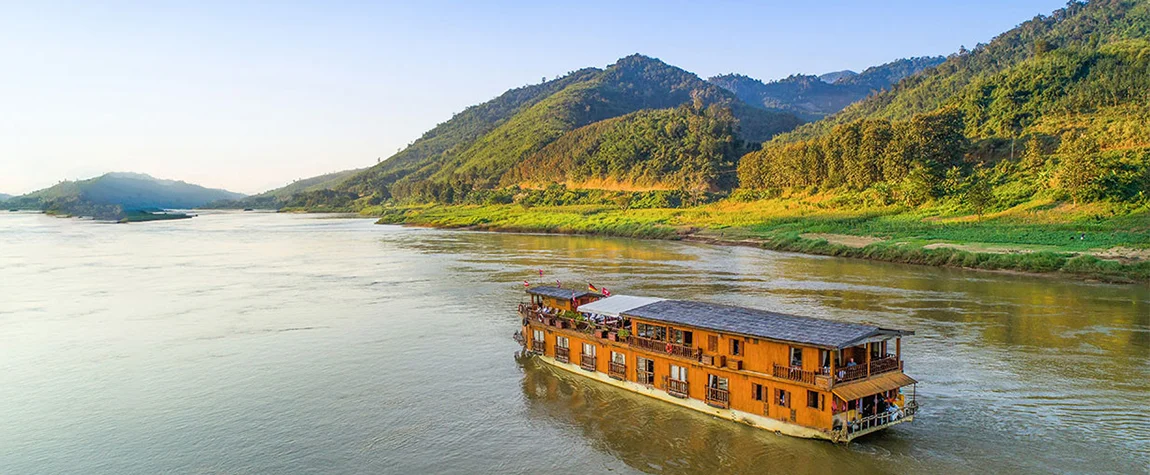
{"x": 753, "y": 420}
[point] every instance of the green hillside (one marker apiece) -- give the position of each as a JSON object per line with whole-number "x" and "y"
{"x": 116, "y": 195}
{"x": 813, "y": 97}
{"x": 449, "y": 138}
{"x": 1057, "y": 108}
{"x": 276, "y": 198}
{"x": 488, "y": 161}
{"x": 664, "y": 149}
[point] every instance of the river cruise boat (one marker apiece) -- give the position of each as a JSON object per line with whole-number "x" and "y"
{"x": 799, "y": 376}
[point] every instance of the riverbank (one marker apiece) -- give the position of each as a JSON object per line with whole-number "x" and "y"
{"x": 1097, "y": 241}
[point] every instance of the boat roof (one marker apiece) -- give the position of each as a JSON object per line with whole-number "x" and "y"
{"x": 761, "y": 323}
{"x": 561, "y": 293}
{"x": 615, "y": 305}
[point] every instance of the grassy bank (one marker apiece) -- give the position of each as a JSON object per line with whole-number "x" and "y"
{"x": 1101, "y": 241}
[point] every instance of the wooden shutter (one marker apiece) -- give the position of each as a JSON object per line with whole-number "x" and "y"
{"x": 712, "y": 343}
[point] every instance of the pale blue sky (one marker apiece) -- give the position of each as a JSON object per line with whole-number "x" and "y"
{"x": 249, "y": 96}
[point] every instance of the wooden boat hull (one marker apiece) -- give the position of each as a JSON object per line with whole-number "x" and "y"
{"x": 753, "y": 420}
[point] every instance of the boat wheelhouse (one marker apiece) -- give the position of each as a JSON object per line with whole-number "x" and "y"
{"x": 800, "y": 376}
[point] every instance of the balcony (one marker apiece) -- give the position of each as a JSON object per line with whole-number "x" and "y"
{"x": 876, "y": 422}
{"x": 587, "y": 362}
{"x": 563, "y": 354}
{"x": 644, "y": 377}
{"x": 853, "y": 373}
{"x": 617, "y": 370}
{"x": 720, "y": 398}
{"x": 539, "y": 346}
{"x": 795, "y": 374}
{"x": 681, "y": 351}
{"x": 678, "y": 388}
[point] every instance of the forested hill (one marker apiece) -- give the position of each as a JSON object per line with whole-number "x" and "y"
{"x": 685, "y": 148}
{"x": 280, "y": 197}
{"x": 1057, "y": 107}
{"x": 813, "y": 97}
{"x": 480, "y": 148}
{"x": 110, "y": 195}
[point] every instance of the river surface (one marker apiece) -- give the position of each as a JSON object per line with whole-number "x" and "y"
{"x": 265, "y": 343}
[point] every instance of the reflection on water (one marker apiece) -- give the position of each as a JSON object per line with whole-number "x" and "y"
{"x": 247, "y": 343}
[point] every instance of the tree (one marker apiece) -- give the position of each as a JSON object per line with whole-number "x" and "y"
{"x": 1079, "y": 169}
{"x": 1032, "y": 159}
{"x": 979, "y": 194}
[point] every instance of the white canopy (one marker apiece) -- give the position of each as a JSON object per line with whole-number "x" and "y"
{"x": 616, "y": 304}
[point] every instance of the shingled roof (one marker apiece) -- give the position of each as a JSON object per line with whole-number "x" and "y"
{"x": 561, "y": 293}
{"x": 760, "y": 323}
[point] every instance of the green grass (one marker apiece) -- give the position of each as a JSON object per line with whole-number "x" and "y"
{"x": 1033, "y": 238}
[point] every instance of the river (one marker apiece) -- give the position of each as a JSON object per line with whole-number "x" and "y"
{"x": 271, "y": 343}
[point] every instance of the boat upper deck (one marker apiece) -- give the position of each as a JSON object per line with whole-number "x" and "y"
{"x": 761, "y": 323}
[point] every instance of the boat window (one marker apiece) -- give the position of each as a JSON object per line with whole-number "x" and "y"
{"x": 825, "y": 361}
{"x": 678, "y": 373}
{"x": 736, "y": 347}
{"x": 561, "y": 341}
{"x": 681, "y": 337}
{"x": 813, "y": 399}
{"x": 652, "y": 332}
{"x": 783, "y": 398}
{"x": 589, "y": 349}
{"x": 538, "y": 335}
{"x": 712, "y": 343}
{"x": 717, "y": 382}
{"x": 757, "y": 391}
{"x": 645, "y": 371}
{"x": 617, "y": 357}
{"x": 796, "y": 357}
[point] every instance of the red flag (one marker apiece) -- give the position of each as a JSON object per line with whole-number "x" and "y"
{"x": 606, "y": 293}
{"x": 591, "y": 287}
{"x": 526, "y": 284}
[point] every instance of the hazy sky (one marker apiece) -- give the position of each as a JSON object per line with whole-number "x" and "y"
{"x": 251, "y": 96}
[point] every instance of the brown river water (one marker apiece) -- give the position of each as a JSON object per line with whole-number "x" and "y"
{"x": 265, "y": 343}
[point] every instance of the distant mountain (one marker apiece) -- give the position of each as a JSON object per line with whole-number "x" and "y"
{"x": 111, "y": 195}
{"x": 481, "y": 148}
{"x": 276, "y": 198}
{"x": 836, "y": 76}
{"x": 4, "y": 196}
{"x": 812, "y": 97}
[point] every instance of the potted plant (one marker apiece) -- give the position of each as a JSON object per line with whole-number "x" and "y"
{"x": 623, "y": 334}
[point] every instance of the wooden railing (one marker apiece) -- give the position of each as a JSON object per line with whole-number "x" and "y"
{"x": 587, "y": 362}
{"x": 876, "y": 421}
{"x": 539, "y": 346}
{"x": 563, "y": 354}
{"x": 883, "y": 365}
{"x": 665, "y": 347}
{"x": 718, "y": 397}
{"x": 617, "y": 370}
{"x": 678, "y": 388}
{"x": 794, "y": 374}
{"x": 863, "y": 371}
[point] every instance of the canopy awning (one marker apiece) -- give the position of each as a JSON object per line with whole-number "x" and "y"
{"x": 873, "y": 385}
{"x": 614, "y": 305}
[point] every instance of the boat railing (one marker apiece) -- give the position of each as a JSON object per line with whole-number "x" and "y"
{"x": 877, "y": 421}
{"x": 718, "y": 397}
{"x": 853, "y": 373}
{"x": 617, "y": 370}
{"x": 678, "y": 388}
{"x": 539, "y": 346}
{"x": 563, "y": 354}
{"x": 683, "y": 351}
{"x": 587, "y": 362}
{"x": 795, "y": 374}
